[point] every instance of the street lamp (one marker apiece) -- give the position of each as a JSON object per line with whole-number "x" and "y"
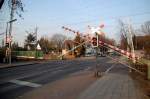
{"x": 12, "y": 20}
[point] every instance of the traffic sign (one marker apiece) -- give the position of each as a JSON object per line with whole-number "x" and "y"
{"x": 38, "y": 47}
{"x": 9, "y": 39}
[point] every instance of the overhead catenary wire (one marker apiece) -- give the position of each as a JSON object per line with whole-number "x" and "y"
{"x": 90, "y": 9}
{"x": 2, "y": 33}
{"x": 110, "y": 18}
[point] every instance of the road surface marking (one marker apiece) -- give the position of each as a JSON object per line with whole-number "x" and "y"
{"x": 87, "y": 68}
{"x": 25, "y": 83}
{"x": 109, "y": 69}
{"x": 54, "y": 72}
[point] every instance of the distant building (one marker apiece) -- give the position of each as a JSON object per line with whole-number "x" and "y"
{"x": 142, "y": 45}
{"x": 140, "y": 42}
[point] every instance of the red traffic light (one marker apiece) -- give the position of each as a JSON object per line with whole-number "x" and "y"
{"x": 102, "y": 25}
{"x": 94, "y": 42}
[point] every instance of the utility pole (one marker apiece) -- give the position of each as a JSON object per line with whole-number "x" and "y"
{"x": 6, "y": 44}
{"x": 6, "y": 33}
{"x": 13, "y": 2}
{"x": 97, "y": 72}
{"x": 8, "y": 41}
{"x": 36, "y": 29}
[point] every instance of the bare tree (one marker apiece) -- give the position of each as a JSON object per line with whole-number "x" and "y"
{"x": 145, "y": 28}
{"x": 126, "y": 31}
{"x": 18, "y": 7}
{"x": 77, "y": 41}
{"x": 123, "y": 35}
{"x": 57, "y": 40}
{"x": 46, "y": 44}
{"x": 15, "y": 46}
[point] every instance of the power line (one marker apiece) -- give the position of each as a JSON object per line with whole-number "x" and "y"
{"x": 111, "y": 18}
{"x": 2, "y": 33}
{"x": 88, "y": 8}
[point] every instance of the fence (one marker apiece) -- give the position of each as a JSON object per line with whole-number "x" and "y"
{"x": 142, "y": 68}
{"x": 28, "y": 54}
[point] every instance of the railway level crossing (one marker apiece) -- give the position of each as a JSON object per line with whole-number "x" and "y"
{"x": 98, "y": 32}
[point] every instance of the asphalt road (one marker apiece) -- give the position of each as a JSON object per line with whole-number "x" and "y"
{"x": 18, "y": 80}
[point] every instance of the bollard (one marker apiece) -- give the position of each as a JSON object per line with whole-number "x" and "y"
{"x": 98, "y": 74}
{"x": 4, "y": 60}
{"x": 148, "y": 74}
{"x": 147, "y": 62}
{"x": 148, "y": 68}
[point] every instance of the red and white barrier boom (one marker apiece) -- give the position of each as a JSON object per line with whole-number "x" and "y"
{"x": 122, "y": 52}
{"x": 68, "y": 29}
{"x": 76, "y": 32}
{"x": 125, "y": 53}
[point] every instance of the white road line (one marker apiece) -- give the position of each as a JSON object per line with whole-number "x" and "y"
{"x": 54, "y": 72}
{"x": 109, "y": 69}
{"x": 25, "y": 83}
{"x": 87, "y": 69}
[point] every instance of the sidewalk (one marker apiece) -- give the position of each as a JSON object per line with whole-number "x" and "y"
{"x": 68, "y": 88}
{"x": 113, "y": 86}
{"x": 110, "y": 86}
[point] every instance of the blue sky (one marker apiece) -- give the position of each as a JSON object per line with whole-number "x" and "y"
{"x": 51, "y": 15}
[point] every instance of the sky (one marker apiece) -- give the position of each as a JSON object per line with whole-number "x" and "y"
{"x": 50, "y": 15}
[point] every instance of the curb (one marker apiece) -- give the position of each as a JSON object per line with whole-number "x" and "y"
{"x": 15, "y": 65}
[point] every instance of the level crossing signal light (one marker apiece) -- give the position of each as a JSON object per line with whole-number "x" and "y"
{"x": 94, "y": 42}
{"x": 7, "y": 45}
